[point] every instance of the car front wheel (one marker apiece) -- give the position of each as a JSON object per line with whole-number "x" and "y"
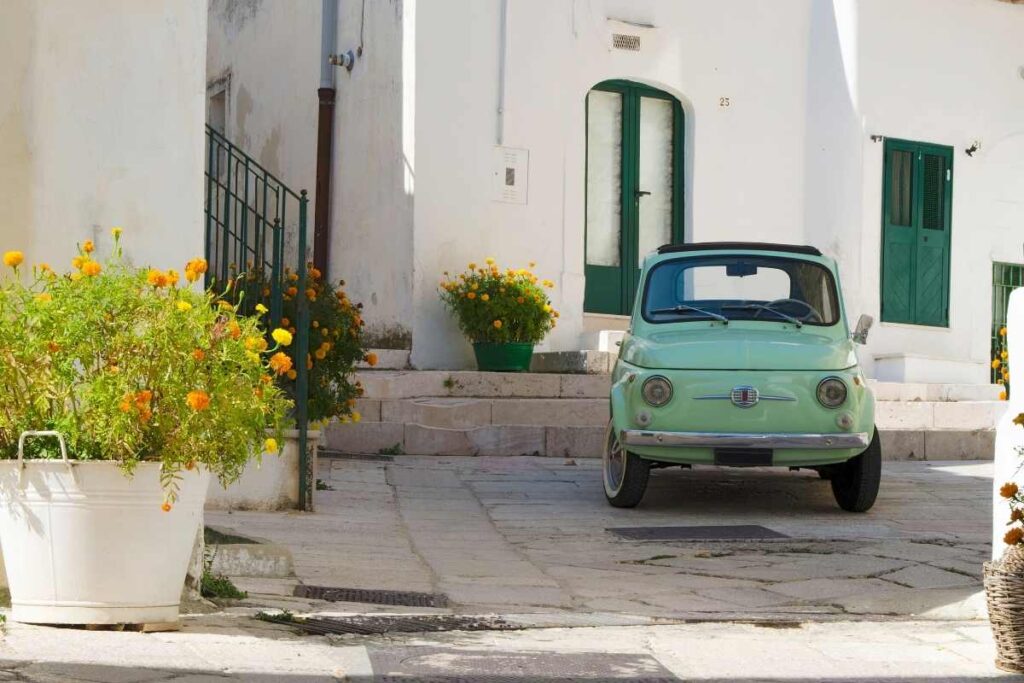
{"x": 855, "y": 482}
{"x": 625, "y": 474}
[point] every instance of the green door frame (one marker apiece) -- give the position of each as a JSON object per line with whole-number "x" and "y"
{"x": 611, "y": 289}
{"x": 908, "y": 290}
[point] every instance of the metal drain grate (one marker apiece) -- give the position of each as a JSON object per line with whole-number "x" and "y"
{"x": 736, "y": 532}
{"x": 372, "y": 597}
{"x": 381, "y": 624}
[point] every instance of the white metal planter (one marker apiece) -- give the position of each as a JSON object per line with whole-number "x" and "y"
{"x": 271, "y": 484}
{"x": 84, "y": 544}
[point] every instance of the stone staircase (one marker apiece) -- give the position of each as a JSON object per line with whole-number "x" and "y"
{"x": 434, "y": 412}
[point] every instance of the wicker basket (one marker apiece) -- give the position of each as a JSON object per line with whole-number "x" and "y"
{"x": 1004, "y": 594}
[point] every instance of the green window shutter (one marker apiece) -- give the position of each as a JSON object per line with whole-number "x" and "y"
{"x": 916, "y": 200}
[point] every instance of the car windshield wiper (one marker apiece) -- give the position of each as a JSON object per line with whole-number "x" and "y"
{"x": 762, "y": 307}
{"x": 684, "y": 308}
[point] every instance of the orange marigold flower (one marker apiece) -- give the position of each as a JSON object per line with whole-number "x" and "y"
{"x": 371, "y": 359}
{"x": 91, "y": 268}
{"x": 166, "y": 507}
{"x": 1013, "y": 536}
{"x": 54, "y": 347}
{"x": 292, "y": 374}
{"x": 280, "y": 363}
{"x": 1008, "y": 490}
{"x": 88, "y": 247}
{"x": 198, "y": 400}
{"x": 1002, "y": 395}
{"x": 291, "y": 291}
{"x": 157, "y": 278}
{"x": 497, "y": 324}
{"x": 234, "y": 330}
{"x": 77, "y": 262}
{"x": 1017, "y": 515}
{"x": 1019, "y": 420}
{"x": 320, "y": 354}
{"x": 199, "y": 354}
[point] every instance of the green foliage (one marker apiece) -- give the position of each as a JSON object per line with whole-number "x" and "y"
{"x": 219, "y": 586}
{"x": 322, "y": 485}
{"x": 335, "y": 338}
{"x": 130, "y": 365}
{"x": 391, "y": 450}
{"x": 492, "y": 306}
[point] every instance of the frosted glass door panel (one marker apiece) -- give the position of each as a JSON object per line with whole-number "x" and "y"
{"x": 604, "y": 177}
{"x": 656, "y": 146}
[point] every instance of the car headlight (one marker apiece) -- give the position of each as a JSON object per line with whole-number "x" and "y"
{"x": 831, "y": 392}
{"x": 657, "y": 391}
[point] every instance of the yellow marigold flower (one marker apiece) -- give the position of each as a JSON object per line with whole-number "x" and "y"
{"x": 88, "y": 247}
{"x": 1013, "y": 536}
{"x": 270, "y": 446}
{"x": 371, "y": 359}
{"x": 497, "y": 324}
{"x": 234, "y": 330}
{"x": 356, "y": 416}
{"x": 1003, "y": 355}
{"x": 183, "y": 306}
{"x": 261, "y": 309}
{"x": 44, "y": 267}
{"x": 547, "y": 308}
{"x": 282, "y": 337}
{"x": 252, "y": 356}
{"x": 45, "y": 297}
{"x": 316, "y": 323}
{"x": 75, "y": 277}
{"x": 1002, "y": 331}
{"x": 475, "y": 286}
{"x": 995, "y": 363}
{"x": 280, "y": 363}
{"x": 320, "y": 354}
{"x": 548, "y": 283}
{"x": 325, "y": 331}
{"x": 471, "y": 266}
{"x": 1002, "y": 395}
{"x": 489, "y": 260}
{"x": 77, "y": 262}
{"x": 292, "y": 374}
{"x": 1008, "y": 490}
{"x": 91, "y": 268}
{"x": 293, "y": 277}
{"x": 485, "y": 297}
{"x": 116, "y": 231}
{"x": 198, "y": 400}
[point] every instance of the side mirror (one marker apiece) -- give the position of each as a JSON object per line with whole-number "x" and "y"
{"x": 860, "y": 334}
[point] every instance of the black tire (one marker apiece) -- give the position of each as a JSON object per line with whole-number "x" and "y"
{"x": 625, "y": 475}
{"x": 855, "y": 482}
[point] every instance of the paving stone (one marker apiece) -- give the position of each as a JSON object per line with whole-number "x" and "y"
{"x": 924, "y": 576}
{"x": 826, "y": 589}
{"x": 495, "y": 440}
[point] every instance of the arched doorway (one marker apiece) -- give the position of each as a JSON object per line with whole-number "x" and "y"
{"x": 634, "y": 187}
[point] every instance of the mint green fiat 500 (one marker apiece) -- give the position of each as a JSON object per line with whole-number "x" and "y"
{"x": 739, "y": 355}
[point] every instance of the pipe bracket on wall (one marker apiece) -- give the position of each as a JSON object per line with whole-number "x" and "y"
{"x": 346, "y": 59}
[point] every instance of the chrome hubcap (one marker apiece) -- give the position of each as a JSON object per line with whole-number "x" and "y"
{"x": 614, "y": 461}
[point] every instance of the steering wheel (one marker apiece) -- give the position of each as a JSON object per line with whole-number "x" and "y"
{"x": 812, "y": 312}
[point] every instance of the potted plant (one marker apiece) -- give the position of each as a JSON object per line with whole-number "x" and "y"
{"x": 335, "y": 346}
{"x": 122, "y": 390}
{"x": 503, "y": 313}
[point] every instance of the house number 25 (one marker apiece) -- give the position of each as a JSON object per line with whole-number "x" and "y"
{"x": 723, "y": 102}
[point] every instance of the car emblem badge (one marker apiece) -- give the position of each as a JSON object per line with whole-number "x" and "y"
{"x": 744, "y": 397}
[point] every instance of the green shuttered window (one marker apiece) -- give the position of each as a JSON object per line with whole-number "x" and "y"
{"x": 917, "y": 192}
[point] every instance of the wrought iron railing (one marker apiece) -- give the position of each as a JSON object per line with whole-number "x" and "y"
{"x": 255, "y": 239}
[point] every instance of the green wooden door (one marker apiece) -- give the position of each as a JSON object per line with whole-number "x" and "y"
{"x": 918, "y": 186}
{"x": 634, "y": 187}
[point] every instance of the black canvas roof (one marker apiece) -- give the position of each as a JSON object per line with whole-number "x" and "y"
{"x": 744, "y": 246}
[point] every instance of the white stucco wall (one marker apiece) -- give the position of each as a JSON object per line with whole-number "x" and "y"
{"x": 101, "y": 124}
{"x": 267, "y": 54}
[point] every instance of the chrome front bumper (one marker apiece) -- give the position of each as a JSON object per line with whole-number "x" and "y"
{"x": 639, "y": 437}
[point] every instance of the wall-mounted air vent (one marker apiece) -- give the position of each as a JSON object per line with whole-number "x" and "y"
{"x": 624, "y": 41}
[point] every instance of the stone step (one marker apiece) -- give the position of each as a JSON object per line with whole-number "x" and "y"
{"x": 388, "y": 384}
{"x": 586, "y": 442}
{"x": 574, "y": 362}
{"x": 909, "y": 391}
{"x": 938, "y": 415}
{"x": 467, "y": 413}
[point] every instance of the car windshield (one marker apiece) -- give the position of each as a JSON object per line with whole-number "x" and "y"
{"x": 741, "y": 287}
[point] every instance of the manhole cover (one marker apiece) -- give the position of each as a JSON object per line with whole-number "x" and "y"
{"x": 373, "y": 597}
{"x": 380, "y": 624}
{"x": 736, "y": 532}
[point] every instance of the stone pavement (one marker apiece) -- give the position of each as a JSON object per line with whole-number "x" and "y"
{"x": 505, "y": 534}
{"x": 891, "y": 595}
